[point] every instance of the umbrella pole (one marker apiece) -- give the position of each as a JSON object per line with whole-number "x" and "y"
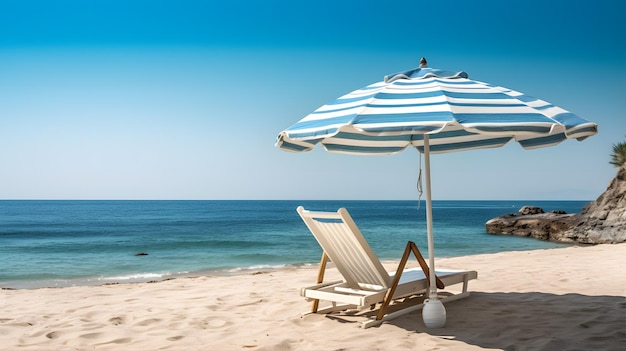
{"x": 433, "y": 313}
{"x": 432, "y": 294}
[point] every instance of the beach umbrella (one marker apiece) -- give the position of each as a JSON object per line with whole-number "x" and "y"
{"x": 434, "y": 111}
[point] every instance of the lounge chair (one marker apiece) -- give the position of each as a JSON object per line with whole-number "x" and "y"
{"x": 365, "y": 282}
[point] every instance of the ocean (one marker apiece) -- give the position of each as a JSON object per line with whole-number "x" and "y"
{"x": 67, "y": 243}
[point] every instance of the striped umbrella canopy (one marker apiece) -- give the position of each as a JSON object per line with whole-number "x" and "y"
{"x": 435, "y": 111}
{"x": 458, "y": 113}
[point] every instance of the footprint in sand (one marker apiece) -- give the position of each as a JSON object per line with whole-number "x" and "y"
{"x": 148, "y": 322}
{"x": 116, "y": 320}
{"x": 52, "y": 335}
{"x": 217, "y": 323}
{"x": 175, "y": 338}
{"x": 91, "y": 335}
{"x": 120, "y": 341}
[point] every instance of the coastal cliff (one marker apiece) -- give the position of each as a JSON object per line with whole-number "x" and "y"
{"x": 602, "y": 221}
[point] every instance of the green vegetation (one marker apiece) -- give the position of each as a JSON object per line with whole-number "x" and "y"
{"x": 618, "y": 156}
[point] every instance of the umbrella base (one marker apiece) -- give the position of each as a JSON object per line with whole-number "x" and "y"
{"x": 433, "y": 313}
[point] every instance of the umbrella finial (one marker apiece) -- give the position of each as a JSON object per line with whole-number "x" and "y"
{"x": 423, "y": 63}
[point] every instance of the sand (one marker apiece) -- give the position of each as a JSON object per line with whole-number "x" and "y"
{"x": 560, "y": 299}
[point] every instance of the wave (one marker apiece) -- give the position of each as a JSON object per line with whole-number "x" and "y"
{"x": 88, "y": 281}
{"x": 138, "y": 276}
{"x": 256, "y": 267}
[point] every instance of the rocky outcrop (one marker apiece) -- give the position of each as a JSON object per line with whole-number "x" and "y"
{"x": 537, "y": 224}
{"x": 602, "y": 221}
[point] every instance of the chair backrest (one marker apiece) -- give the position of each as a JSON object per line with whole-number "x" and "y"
{"x": 346, "y": 247}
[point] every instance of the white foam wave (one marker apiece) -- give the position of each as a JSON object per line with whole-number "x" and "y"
{"x": 249, "y": 268}
{"x": 137, "y": 276}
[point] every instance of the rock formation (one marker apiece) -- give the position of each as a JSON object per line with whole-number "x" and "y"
{"x": 602, "y": 221}
{"x": 538, "y": 225}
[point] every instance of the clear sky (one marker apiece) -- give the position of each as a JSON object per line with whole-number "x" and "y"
{"x": 120, "y": 99}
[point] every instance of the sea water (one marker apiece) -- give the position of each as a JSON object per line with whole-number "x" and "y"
{"x": 65, "y": 243}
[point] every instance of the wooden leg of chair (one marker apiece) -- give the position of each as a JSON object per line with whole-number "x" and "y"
{"x": 422, "y": 262}
{"x": 396, "y": 280}
{"x": 320, "y": 279}
{"x": 410, "y": 247}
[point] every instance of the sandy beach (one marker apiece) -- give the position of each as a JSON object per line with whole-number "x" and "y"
{"x": 560, "y": 299}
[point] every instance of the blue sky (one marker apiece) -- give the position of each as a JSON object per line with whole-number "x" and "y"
{"x": 183, "y": 99}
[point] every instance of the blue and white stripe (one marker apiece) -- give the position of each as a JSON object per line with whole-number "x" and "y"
{"x": 458, "y": 114}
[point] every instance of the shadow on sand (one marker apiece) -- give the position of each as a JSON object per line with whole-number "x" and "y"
{"x": 531, "y": 321}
